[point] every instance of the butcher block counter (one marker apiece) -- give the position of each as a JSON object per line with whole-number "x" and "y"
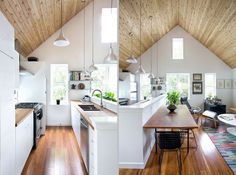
{"x": 21, "y": 114}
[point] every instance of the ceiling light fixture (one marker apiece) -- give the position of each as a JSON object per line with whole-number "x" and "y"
{"x": 140, "y": 68}
{"x": 61, "y": 41}
{"x": 151, "y": 74}
{"x": 131, "y": 59}
{"x": 84, "y": 72}
{"x": 111, "y": 57}
{"x": 92, "y": 67}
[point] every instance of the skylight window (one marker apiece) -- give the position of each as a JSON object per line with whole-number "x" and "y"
{"x": 109, "y": 25}
{"x": 177, "y": 48}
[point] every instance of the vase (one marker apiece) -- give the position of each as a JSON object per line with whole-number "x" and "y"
{"x": 171, "y": 108}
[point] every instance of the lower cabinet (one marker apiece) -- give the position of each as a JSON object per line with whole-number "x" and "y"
{"x": 24, "y": 142}
{"x": 92, "y": 152}
{"x": 75, "y": 122}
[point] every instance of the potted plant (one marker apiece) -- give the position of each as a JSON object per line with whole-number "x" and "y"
{"x": 58, "y": 94}
{"x": 173, "y": 99}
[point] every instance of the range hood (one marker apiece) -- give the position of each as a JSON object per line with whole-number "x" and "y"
{"x": 29, "y": 68}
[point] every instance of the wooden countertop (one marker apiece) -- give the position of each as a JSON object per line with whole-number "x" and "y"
{"x": 181, "y": 119}
{"x": 88, "y": 114}
{"x": 21, "y": 114}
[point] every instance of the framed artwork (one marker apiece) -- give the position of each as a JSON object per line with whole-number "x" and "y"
{"x": 228, "y": 84}
{"x": 234, "y": 84}
{"x": 197, "y": 87}
{"x": 220, "y": 84}
{"x": 197, "y": 77}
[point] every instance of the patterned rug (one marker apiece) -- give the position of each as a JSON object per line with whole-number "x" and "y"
{"x": 225, "y": 143}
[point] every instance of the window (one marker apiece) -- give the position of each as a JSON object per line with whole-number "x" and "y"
{"x": 177, "y": 48}
{"x": 59, "y": 83}
{"x": 109, "y": 25}
{"x": 178, "y": 81}
{"x": 210, "y": 85}
{"x": 145, "y": 86}
{"x": 105, "y": 78}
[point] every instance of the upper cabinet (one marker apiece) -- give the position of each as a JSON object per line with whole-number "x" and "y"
{"x": 6, "y": 36}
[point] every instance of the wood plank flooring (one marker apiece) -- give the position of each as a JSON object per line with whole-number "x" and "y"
{"x": 57, "y": 154}
{"x": 205, "y": 160}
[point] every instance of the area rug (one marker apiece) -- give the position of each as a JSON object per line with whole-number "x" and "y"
{"x": 225, "y": 143}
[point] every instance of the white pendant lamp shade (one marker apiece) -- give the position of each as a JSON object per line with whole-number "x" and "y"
{"x": 140, "y": 70}
{"x": 61, "y": 41}
{"x": 92, "y": 68}
{"x": 132, "y": 60}
{"x": 111, "y": 57}
{"x": 151, "y": 75}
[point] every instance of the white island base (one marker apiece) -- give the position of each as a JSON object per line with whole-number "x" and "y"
{"x": 136, "y": 143}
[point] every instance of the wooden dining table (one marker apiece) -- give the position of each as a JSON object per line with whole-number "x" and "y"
{"x": 180, "y": 119}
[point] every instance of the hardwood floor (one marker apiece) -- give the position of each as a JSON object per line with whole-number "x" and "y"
{"x": 57, "y": 154}
{"x": 205, "y": 160}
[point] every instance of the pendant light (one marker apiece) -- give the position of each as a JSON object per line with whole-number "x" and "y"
{"x": 61, "y": 41}
{"x": 92, "y": 67}
{"x": 111, "y": 57}
{"x": 140, "y": 68}
{"x": 84, "y": 72}
{"x": 151, "y": 74}
{"x": 131, "y": 59}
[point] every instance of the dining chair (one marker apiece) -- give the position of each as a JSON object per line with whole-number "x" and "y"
{"x": 194, "y": 110}
{"x": 170, "y": 141}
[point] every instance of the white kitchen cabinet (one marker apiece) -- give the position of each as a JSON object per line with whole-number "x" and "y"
{"x": 7, "y": 115}
{"x": 103, "y": 149}
{"x": 7, "y": 39}
{"x": 75, "y": 122}
{"x": 24, "y": 142}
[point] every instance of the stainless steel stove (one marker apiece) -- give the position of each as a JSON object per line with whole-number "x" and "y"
{"x": 38, "y": 115}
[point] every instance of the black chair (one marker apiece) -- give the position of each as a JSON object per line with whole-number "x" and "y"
{"x": 193, "y": 110}
{"x": 171, "y": 141}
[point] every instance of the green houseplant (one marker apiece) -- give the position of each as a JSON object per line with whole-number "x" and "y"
{"x": 172, "y": 99}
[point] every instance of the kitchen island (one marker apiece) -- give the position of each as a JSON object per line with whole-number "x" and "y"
{"x": 136, "y": 143}
{"x": 96, "y": 132}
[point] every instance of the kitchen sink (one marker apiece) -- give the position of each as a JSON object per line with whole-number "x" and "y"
{"x": 89, "y": 108}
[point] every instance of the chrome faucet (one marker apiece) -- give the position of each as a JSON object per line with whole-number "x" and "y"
{"x": 98, "y": 90}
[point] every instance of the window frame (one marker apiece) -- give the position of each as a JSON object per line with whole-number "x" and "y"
{"x": 189, "y": 82}
{"x": 173, "y": 48}
{"x": 65, "y": 100}
{"x": 205, "y": 84}
{"x": 111, "y": 33}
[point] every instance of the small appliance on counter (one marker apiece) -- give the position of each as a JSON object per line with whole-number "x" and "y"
{"x": 38, "y": 116}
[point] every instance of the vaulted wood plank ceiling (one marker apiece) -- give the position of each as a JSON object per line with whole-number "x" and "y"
{"x": 36, "y": 20}
{"x": 211, "y": 22}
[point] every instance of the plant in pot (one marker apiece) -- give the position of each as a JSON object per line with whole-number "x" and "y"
{"x": 173, "y": 98}
{"x": 58, "y": 94}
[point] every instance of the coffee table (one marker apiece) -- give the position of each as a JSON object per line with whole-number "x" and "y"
{"x": 229, "y": 119}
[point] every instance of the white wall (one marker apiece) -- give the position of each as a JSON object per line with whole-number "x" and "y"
{"x": 197, "y": 59}
{"x": 73, "y": 54}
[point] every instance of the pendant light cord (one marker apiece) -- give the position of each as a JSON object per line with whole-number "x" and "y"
{"x": 93, "y": 35}
{"x": 140, "y": 63}
{"x": 152, "y": 41}
{"x": 111, "y": 14}
{"x": 61, "y": 15}
{"x": 84, "y": 33}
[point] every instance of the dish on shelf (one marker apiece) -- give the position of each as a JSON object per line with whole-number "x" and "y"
{"x": 81, "y": 86}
